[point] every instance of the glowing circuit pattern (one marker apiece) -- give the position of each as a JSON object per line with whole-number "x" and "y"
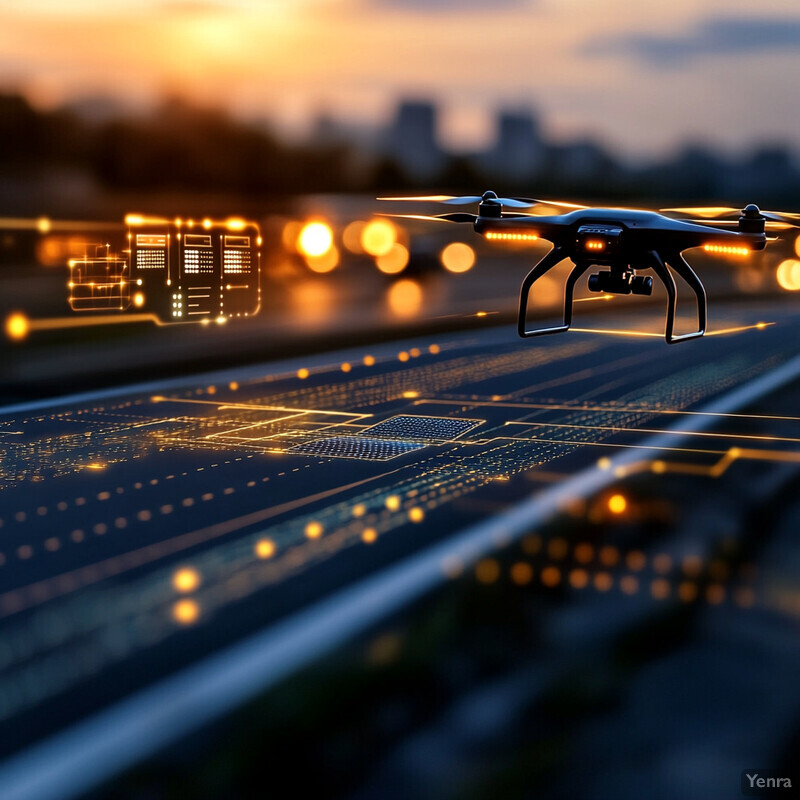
{"x": 128, "y": 520}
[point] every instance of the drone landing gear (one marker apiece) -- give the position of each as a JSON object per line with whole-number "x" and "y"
{"x": 552, "y": 259}
{"x": 679, "y": 264}
{"x": 608, "y": 282}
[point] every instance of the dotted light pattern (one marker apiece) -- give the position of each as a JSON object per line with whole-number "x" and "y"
{"x": 423, "y": 429}
{"x": 511, "y": 237}
{"x": 727, "y": 250}
{"x": 361, "y": 447}
{"x": 144, "y": 609}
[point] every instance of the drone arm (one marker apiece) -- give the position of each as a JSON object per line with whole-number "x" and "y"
{"x": 679, "y": 264}
{"x": 553, "y": 258}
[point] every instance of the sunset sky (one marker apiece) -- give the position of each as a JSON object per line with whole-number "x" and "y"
{"x": 642, "y": 75}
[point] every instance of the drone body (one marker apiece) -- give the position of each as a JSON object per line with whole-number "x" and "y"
{"x": 624, "y": 242}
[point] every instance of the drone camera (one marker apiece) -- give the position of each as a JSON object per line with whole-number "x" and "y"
{"x": 625, "y": 283}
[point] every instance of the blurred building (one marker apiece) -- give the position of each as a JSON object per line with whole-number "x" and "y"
{"x": 518, "y": 150}
{"x": 411, "y": 140}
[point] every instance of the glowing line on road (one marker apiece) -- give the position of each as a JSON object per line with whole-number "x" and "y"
{"x": 59, "y": 323}
{"x": 722, "y": 332}
{"x": 610, "y": 409}
{"x": 615, "y": 429}
{"x": 716, "y": 470}
{"x": 255, "y": 407}
{"x": 593, "y": 299}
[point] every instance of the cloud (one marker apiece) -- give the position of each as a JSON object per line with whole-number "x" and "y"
{"x": 715, "y": 37}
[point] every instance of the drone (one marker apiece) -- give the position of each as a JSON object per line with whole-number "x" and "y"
{"x": 622, "y": 242}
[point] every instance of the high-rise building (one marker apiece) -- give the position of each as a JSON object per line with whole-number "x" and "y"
{"x": 412, "y": 139}
{"x": 518, "y": 150}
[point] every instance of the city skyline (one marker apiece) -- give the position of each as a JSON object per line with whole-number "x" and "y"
{"x": 639, "y": 80}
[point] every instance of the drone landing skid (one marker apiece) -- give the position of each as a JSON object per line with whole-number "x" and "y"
{"x": 657, "y": 264}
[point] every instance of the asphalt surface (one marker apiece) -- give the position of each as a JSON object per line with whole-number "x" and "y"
{"x": 145, "y": 531}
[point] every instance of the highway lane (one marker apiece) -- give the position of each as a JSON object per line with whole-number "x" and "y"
{"x": 145, "y": 529}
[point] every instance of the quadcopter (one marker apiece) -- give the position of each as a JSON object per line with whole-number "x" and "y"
{"x": 622, "y": 242}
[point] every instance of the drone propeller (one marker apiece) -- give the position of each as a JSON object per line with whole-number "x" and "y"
{"x": 710, "y": 214}
{"x": 511, "y": 202}
{"x": 732, "y": 223}
{"x": 458, "y": 216}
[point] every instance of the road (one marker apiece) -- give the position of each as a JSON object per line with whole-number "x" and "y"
{"x": 189, "y": 542}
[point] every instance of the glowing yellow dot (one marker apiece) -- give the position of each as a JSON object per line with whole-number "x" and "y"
{"x": 487, "y": 570}
{"x": 715, "y": 594}
{"x": 788, "y": 275}
{"x": 207, "y": 224}
{"x": 603, "y": 581}
{"x": 351, "y": 236}
{"x": 185, "y": 612}
{"x": 185, "y": 580}
{"x": 302, "y": 373}
{"x": 617, "y": 504}
{"x": 584, "y": 553}
{"x": 551, "y": 576}
{"x": 557, "y": 548}
{"x": 687, "y": 591}
{"x": 315, "y": 239}
{"x": 325, "y": 262}
{"x": 636, "y": 560}
{"x": 660, "y": 588}
{"x": 369, "y": 361}
{"x": 578, "y": 578}
{"x": 394, "y": 260}
{"x": 416, "y": 515}
{"x": 313, "y": 530}
{"x": 369, "y": 535}
{"x": 521, "y": 573}
{"x": 265, "y": 548}
{"x": 405, "y": 298}
{"x": 604, "y": 463}
{"x": 233, "y": 386}
{"x": 138, "y": 299}
{"x": 662, "y": 563}
{"x": 359, "y": 510}
{"x": 346, "y": 367}
{"x": 378, "y": 237}
{"x": 403, "y": 356}
{"x": 609, "y": 555}
{"x": 17, "y": 326}
{"x": 692, "y": 565}
{"x": 458, "y": 257}
{"x": 393, "y": 502}
{"x": 410, "y": 395}
{"x": 434, "y": 349}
